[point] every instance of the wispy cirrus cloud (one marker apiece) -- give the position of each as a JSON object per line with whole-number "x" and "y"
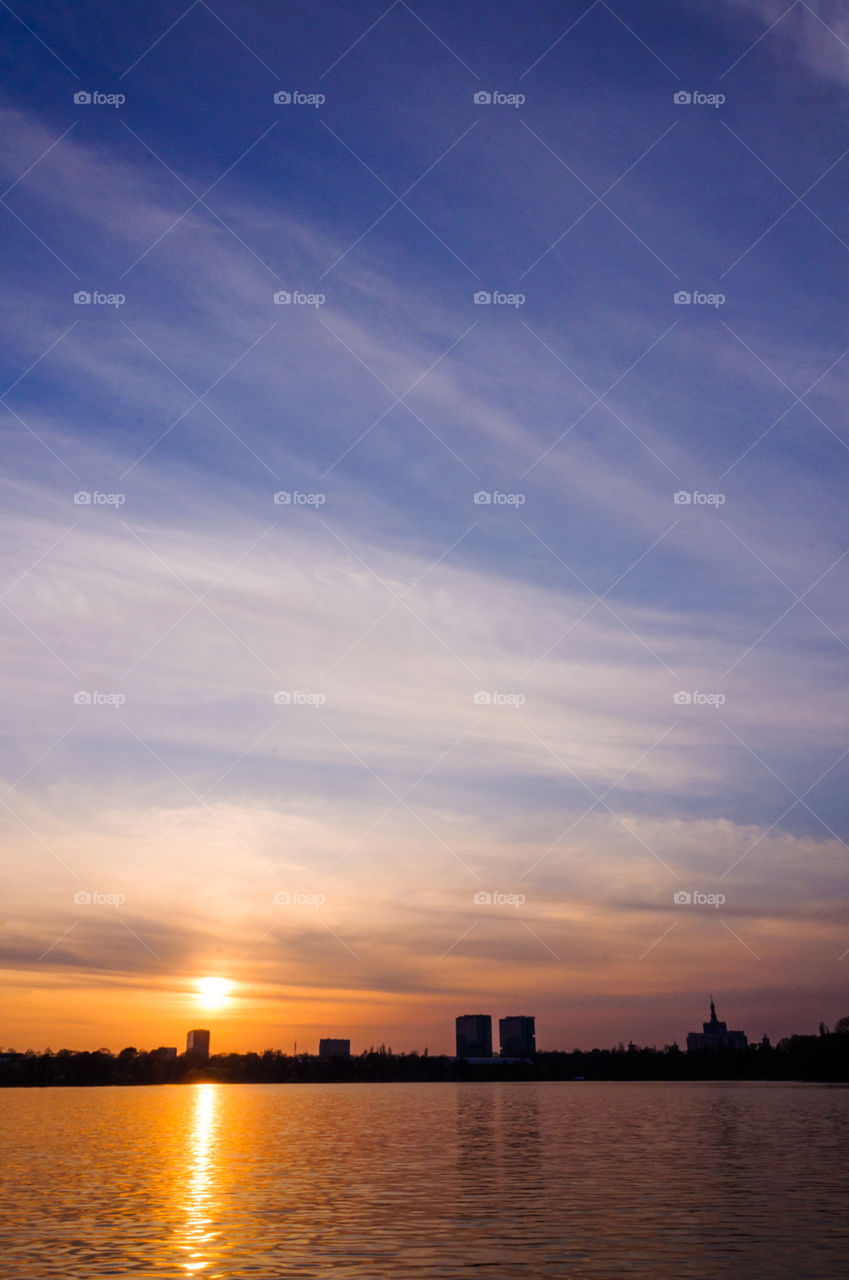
{"x": 520, "y": 693}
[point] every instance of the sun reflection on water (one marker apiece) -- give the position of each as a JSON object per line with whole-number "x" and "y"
{"x": 200, "y": 1182}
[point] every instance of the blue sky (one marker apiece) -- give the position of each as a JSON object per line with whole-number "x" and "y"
{"x": 579, "y": 601}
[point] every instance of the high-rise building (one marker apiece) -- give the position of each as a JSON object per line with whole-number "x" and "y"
{"x": 474, "y": 1035}
{"x": 197, "y": 1044}
{"x": 517, "y": 1036}
{"x": 715, "y": 1037}
{"x": 334, "y": 1048}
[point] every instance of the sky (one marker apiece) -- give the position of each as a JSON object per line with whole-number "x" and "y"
{"x": 424, "y": 546}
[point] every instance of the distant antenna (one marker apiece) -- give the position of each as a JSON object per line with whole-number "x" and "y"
{"x": 296, "y": 1050}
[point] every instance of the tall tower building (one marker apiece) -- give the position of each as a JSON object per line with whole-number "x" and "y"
{"x": 197, "y": 1045}
{"x": 517, "y": 1036}
{"x": 474, "y": 1036}
{"x": 334, "y": 1048}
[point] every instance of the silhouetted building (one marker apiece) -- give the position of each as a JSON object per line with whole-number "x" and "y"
{"x": 715, "y": 1037}
{"x": 517, "y": 1037}
{"x": 166, "y": 1051}
{"x": 334, "y": 1048}
{"x": 197, "y": 1044}
{"x": 474, "y": 1035}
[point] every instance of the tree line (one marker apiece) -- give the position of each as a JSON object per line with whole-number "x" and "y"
{"x": 822, "y": 1057}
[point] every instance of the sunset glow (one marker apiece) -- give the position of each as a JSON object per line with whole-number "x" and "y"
{"x": 424, "y": 607}
{"x": 213, "y": 993}
{"x": 478, "y": 638}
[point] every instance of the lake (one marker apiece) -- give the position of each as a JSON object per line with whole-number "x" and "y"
{"x": 649, "y": 1181}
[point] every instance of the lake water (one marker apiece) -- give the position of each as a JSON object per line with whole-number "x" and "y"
{"x": 648, "y": 1181}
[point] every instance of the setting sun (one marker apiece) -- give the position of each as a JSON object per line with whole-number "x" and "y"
{"x": 213, "y": 992}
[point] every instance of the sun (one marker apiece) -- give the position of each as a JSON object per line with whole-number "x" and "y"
{"x": 213, "y": 992}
